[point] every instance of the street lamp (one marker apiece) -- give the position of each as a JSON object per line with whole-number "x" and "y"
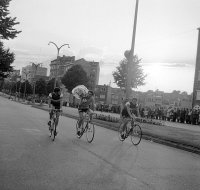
{"x": 129, "y": 54}
{"x": 34, "y": 83}
{"x": 58, "y": 50}
{"x": 26, "y": 74}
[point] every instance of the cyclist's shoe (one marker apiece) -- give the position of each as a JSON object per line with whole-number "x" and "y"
{"x": 49, "y": 123}
{"x": 78, "y": 133}
{"x": 123, "y": 136}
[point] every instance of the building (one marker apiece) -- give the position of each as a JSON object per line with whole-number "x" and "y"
{"x": 103, "y": 94}
{"x": 59, "y": 66}
{"x": 92, "y": 69}
{"x": 30, "y": 72}
{"x": 196, "y": 86}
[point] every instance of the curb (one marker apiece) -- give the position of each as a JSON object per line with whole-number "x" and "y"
{"x": 146, "y": 135}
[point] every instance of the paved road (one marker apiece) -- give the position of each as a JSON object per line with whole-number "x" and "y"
{"x": 30, "y": 160}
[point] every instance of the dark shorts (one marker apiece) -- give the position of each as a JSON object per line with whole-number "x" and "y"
{"x": 57, "y": 107}
{"x": 126, "y": 115}
{"x": 83, "y": 110}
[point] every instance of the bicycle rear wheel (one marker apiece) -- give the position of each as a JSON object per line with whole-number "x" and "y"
{"x": 136, "y": 134}
{"x": 90, "y": 130}
{"x": 79, "y": 133}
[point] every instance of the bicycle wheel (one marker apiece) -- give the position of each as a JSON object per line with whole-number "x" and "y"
{"x": 136, "y": 134}
{"x": 79, "y": 133}
{"x": 120, "y": 135}
{"x": 53, "y": 131}
{"x": 90, "y": 130}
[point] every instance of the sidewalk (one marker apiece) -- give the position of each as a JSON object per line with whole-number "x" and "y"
{"x": 182, "y": 136}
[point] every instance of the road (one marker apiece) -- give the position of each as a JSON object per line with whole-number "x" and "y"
{"x": 30, "y": 160}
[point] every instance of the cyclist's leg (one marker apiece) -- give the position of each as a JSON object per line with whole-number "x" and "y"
{"x": 90, "y": 112}
{"x": 125, "y": 122}
{"x": 80, "y": 112}
{"x": 50, "y": 116}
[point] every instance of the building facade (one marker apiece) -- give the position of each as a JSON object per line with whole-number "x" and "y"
{"x": 92, "y": 69}
{"x": 30, "y": 72}
{"x": 103, "y": 94}
{"x": 59, "y": 66}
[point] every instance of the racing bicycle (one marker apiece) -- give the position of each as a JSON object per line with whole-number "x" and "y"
{"x": 132, "y": 130}
{"x": 54, "y": 123}
{"x": 86, "y": 127}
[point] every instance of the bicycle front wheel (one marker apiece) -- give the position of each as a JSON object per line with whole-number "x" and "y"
{"x": 53, "y": 127}
{"x": 136, "y": 134}
{"x": 90, "y": 132}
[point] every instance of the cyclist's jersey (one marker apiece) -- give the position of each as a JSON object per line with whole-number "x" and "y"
{"x": 85, "y": 102}
{"x": 133, "y": 109}
{"x": 53, "y": 97}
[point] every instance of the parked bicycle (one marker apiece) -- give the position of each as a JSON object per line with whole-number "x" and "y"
{"x": 86, "y": 127}
{"x": 54, "y": 123}
{"x": 133, "y": 130}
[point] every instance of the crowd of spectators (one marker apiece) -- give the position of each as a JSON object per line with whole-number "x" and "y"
{"x": 174, "y": 114}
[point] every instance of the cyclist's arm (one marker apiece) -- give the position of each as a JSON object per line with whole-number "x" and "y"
{"x": 92, "y": 103}
{"x": 49, "y": 100}
{"x": 138, "y": 112}
{"x": 61, "y": 102}
{"x": 132, "y": 115}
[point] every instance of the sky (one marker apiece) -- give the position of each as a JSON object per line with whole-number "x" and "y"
{"x": 101, "y": 30}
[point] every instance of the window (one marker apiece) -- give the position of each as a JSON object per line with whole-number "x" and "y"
{"x": 102, "y": 96}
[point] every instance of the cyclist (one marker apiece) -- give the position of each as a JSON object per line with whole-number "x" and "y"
{"x": 130, "y": 109}
{"x": 86, "y": 105}
{"x": 55, "y": 102}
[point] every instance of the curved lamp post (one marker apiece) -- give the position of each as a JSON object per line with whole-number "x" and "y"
{"x": 34, "y": 84}
{"x": 58, "y": 50}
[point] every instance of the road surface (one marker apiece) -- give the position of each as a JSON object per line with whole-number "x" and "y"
{"x": 30, "y": 160}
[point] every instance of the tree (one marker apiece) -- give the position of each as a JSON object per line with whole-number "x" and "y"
{"x": 137, "y": 77}
{"x": 29, "y": 89}
{"x": 6, "y": 32}
{"x": 41, "y": 87}
{"x": 75, "y": 76}
{"x": 50, "y": 85}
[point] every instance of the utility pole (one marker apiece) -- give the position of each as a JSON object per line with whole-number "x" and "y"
{"x": 130, "y": 55}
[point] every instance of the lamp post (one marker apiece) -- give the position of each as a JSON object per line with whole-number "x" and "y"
{"x": 34, "y": 83}
{"x": 58, "y": 50}
{"x": 130, "y": 54}
{"x": 26, "y": 74}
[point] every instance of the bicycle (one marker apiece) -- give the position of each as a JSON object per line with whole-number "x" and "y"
{"x": 54, "y": 123}
{"x": 87, "y": 127}
{"x": 133, "y": 130}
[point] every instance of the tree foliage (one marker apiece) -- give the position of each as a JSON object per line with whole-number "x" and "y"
{"x": 28, "y": 89}
{"x": 75, "y": 76}
{"x": 137, "y": 76}
{"x": 6, "y": 32}
{"x": 50, "y": 85}
{"x": 41, "y": 87}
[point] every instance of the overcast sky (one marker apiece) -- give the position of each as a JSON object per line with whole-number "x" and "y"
{"x": 101, "y": 30}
